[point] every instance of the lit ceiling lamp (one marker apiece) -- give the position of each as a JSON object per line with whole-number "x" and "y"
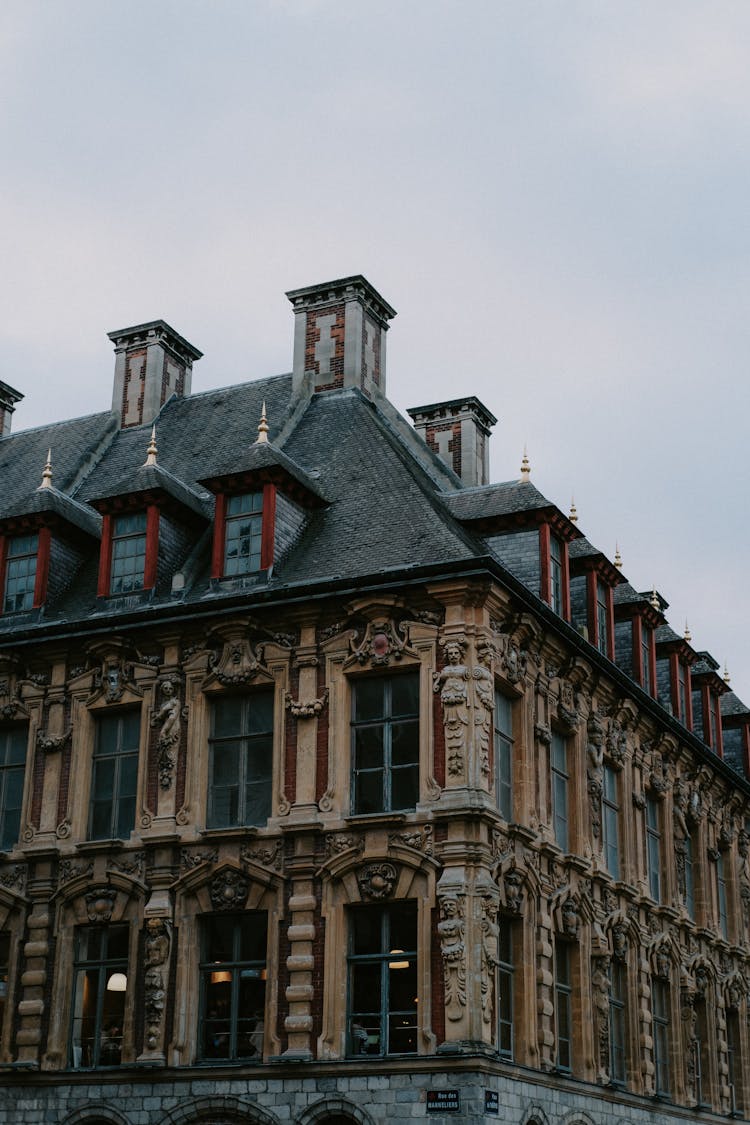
{"x": 397, "y": 964}
{"x": 118, "y": 982}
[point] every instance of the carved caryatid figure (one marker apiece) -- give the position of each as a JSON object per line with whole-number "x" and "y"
{"x": 595, "y": 770}
{"x": 167, "y": 718}
{"x": 600, "y": 996}
{"x": 155, "y": 959}
{"x": 689, "y": 1020}
{"x": 484, "y": 704}
{"x": 451, "y": 682}
{"x": 490, "y": 955}
{"x": 743, "y": 847}
{"x": 451, "y": 931}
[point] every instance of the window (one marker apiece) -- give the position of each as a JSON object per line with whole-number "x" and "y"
{"x": 556, "y": 575}
{"x": 559, "y": 789}
{"x": 20, "y": 573}
{"x": 233, "y": 986}
{"x": 660, "y": 1012}
{"x": 241, "y": 760}
{"x": 99, "y": 995}
{"x": 653, "y": 848}
{"x": 610, "y": 830}
{"x": 714, "y": 722}
{"x": 504, "y": 754}
{"x": 617, "y": 1041}
{"x": 702, "y": 1054}
{"x": 734, "y": 1058}
{"x": 689, "y": 878}
{"x": 385, "y": 743}
{"x": 506, "y": 972}
{"x": 646, "y": 680}
{"x": 128, "y": 553}
{"x": 243, "y": 533}
{"x": 563, "y": 1007}
{"x": 12, "y": 765}
{"x": 115, "y": 774}
{"x": 383, "y": 980}
{"x": 721, "y": 886}
{"x": 602, "y": 617}
{"x": 682, "y": 694}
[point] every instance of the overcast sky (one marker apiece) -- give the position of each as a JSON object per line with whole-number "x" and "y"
{"x": 554, "y": 196}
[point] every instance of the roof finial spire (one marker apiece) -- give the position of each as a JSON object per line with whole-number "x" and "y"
{"x": 152, "y": 450}
{"x": 727, "y": 678}
{"x": 654, "y": 599}
{"x": 47, "y": 474}
{"x": 573, "y": 510}
{"x": 525, "y": 468}
{"x": 688, "y": 636}
{"x": 262, "y": 426}
{"x": 618, "y": 557}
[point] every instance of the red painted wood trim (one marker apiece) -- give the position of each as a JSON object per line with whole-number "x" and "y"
{"x": 3, "y": 555}
{"x": 545, "y": 592}
{"x": 565, "y": 579}
{"x": 592, "y": 617}
{"x": 42, "y": 566}
{"x": 105, "y": 557}
{"x": 268, "y": 526}
{"x": 220, "y": 530}
{"x": 151, "y": 564}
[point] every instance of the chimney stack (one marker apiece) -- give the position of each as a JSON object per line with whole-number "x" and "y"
{"x": 152, "y": 362}
{"x": 8, "y": 399}
{"x": 339, "y": 335}
{"x": 458, "y": 431}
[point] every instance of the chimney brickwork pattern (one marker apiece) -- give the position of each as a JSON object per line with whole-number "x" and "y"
{"x": 152, "y": 362}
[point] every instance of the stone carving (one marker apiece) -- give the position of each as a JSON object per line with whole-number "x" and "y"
{"x": 156, "y": 956}
{"x": 490, "y": 956}
{"x": 513, "y": 886}
{"x": 383, "y": 642}
{"x": 270, "y": 854}
{"x": 658, "y": 781}
{"x": 69, "y": 869}
{"x": 100, "y": 903}
{"x": 16, "y": 877}
{"x": 229, "y": 890}
{"x": 305, "y": 710}
{"x": 500, "y": 843}
{"x": 10, "y": 700}
{"x": 451, "y": 682}
{"x": 743, "y": 847}
{"x": 377, "y": 880}
{"x": 418, "y": 838}
{"x": 681, "y": 831}
{"x": 689, "y": 1020}
{"x": 190, "y": 859}
{"x": 112, "y": 678}
{"x": 543, "y": 733}
{"x": 662, "y": 962}
{"x": 620, "y": 941}
{"x": 451, "y": 931}
{"x": 513, "y": 662}
{"x": 167, "y": 718}
{"x": 338, "y": 842}
{"x": 617, "y": 744}
{"x": 130, "y": 865}
{"x": 595, "y": 771}
{"x": 239, "y": 662}
{"x": 484, "y": 704}
{"x": 702, "y": 979}
{"x": 52, "y": 743}
{"x": 600, "y": 995}
{"x": 569, "y": 706}
{"x": 571, "y": 920}
{"x": 726, "y": 833}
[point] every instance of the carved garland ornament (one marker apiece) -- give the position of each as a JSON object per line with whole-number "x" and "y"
{"x": 377, "y": 880}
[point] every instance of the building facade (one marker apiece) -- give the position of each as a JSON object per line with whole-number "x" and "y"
{"x": 338, "y": 784}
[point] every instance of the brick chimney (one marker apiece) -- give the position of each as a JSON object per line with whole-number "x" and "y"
{"x": 152, "y": 362}
{"x": 458, "y": 432}
{"x": 339, "y": 335}
{"x": 8, "y": 399}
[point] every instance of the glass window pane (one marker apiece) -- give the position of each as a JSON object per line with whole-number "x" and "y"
{"x": 369, "y": 699}
{"x": 405, "y": 695}
{"x": 368, "y": 792}
{"x": 404, "y": 787}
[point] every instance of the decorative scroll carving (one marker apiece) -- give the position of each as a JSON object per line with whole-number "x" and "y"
{"x": 190, "y": 859}
{"x": 595, "y": 770}
{"x": 600, "y": 994}
{"x": 418, "y": 838}
{"x": 451, "y": 682}
{"x": 339, "y": 842}
{"x": 377, "y": 880}
{"x": 269, "y": 854}
{"x": 383, "y": 642}
{"x": 167, "y": 718}
{"x": 451, "y": 930}
{"x": 229, "y": 890}
{"x": 112, "y": 678}
{"x": 156, "y": 946}
{"x": 306, "y": 710}
{"x": 16, "y": 877}
{"x": 131, "y": 865}
{"x": 513, "y": 660}
{"x": 52, "y": 743}
{"x": 239, "y": 662}
{"x": 100, "y": 903}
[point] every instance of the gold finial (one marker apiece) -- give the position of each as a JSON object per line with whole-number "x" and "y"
{"x": 727, "y": 678}
{"x": 152, "y": 450}
{"x": 688, "y": 636}
{"x": 618, "y": 557}
{"x": 654, "y": 599}
{"x": 262, "y": 426}
{"x": 525, "y": 468}
{"x": 47, "y": 474}
{"x": 573, "y": 510}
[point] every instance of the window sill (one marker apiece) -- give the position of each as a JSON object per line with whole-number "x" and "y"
{"x": 232, "y": 831}
{"x": 379, "y": 818}
{"x": 93, "y": 847}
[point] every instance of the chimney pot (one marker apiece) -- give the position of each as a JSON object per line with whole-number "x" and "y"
{"x": 458, "y": 432}
{"x": 8, "y": 399}
{"x": 152, "y": 362}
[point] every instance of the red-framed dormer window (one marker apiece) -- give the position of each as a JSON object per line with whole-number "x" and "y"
{"x": 24, "y": 568}
{"x": 712, "y": 733}
{"x": 130, "y": 551}
{"x": 644, "y": 655}
{"x": 243, "y": 532}
{"x": 555, "y": 584}
{"x": 681, "y": 690}
{"x": 601, "y": 619}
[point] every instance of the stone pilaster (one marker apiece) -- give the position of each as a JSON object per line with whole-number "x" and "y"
{"x": 300, "y": 965}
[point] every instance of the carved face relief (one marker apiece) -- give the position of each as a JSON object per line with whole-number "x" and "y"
{"x": 513, "y": 884}
{"x": 570, "y": 918}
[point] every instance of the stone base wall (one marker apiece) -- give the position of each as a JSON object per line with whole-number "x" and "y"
{"x": 265, "y": 1098}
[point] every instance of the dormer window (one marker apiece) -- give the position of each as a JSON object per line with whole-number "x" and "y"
{"x": 646, "y": 645}
{"x": 556, "y": 575}
{"x": 553, "y": 559}
{"x": 603, "y": 611}
{"x": 683, "y": 694}
{"x": 20, "y": 572}
{"x": 243, "y": 534}
{"x": 128, "y": 553}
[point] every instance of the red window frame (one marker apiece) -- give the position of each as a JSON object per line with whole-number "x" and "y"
{"x": 545, "y": 552}
{"x": 268, "y": 523}
{"x": 638, "y": 624}
{"x": 593, "y": 579}
{"x": 44, "y": 547}
{"x": 151, "y": 564}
